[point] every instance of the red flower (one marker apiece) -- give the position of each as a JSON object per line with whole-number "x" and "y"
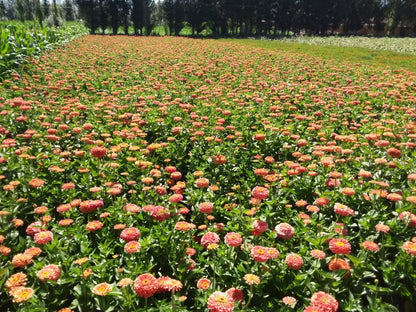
{"x": 236, "y": 294}
{"x": 145, "y": 285}
{"x": 220, "y": 302}
{"x": 340, "y": 246}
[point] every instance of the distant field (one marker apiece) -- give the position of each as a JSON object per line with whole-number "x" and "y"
{"x": 383, "y": 52}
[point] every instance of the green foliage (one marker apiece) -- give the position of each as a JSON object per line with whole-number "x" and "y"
{"x": 19, "y": 43}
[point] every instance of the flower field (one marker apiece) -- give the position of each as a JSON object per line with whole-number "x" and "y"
{"x": 174, "y": 174}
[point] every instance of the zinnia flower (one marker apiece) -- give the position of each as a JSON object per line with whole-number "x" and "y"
{"x": 339, "y": 264}
{"x": 132, "y": 246}
{"x": 102, "y": 289}
{"x": 130, "y": 234}
{"x": 220, "y": 302}
{"x": 203, "y": 283}
{"x": 21, "y": 294}
{"x": 284, "y": 230}
{"x": 145, "y": 285}
{"x": 210, "y": 238}
{"x": 49, "y": 272}
{"x": 43, "y": 237}
{"x": 206, "y": 207}
{"x": 370, "y": 245}
{"x": 259, "y": 254}
{"x": 340, "y": 246}
{"x": 294, "y": 261}
{"x": 289, "y": 300}
{"x": 343, "y": 210}
{"x": 98, "y": 151}
{"x": 251, "y": 279}
{"x": 260, "y": 192}
{"x": 324, "y": 301}
{"x": 16, "y": 280}
{"x": 233, "y": 239}
{"x": 410, "y": 248}
{"x": 236, "y": 294}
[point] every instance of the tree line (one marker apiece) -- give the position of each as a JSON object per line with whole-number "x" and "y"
{"x": 231, "y": 17}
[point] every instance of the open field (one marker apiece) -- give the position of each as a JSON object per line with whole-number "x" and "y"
{"x": 177, "y": 174}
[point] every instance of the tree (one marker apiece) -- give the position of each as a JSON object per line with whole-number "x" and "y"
{"x": 68, "y": 10}
{"x": 3, "y": 11}
{"x": 46, "y": 8}
{"x": 88, "y": 10}
{"x": 39, "y": 13}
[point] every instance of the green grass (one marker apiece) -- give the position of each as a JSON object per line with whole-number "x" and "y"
{"x": 387, "y": 59}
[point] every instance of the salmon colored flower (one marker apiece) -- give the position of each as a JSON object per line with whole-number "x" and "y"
{"x": 260, "y": 192}
{"x": 410, "y": 248}
{"x": 210, "y": 238}
{"x": 251, "y": 279}
{"x": 132, "y": 246}
{"x": 284, "y": 231}
{"x": 289, "y": 300}
{"x": 203, "y": 283}
{"x": 324, "y": 301}
{"x": 145, "y": 285}
{"x": 101, "y": 289}
{"x": 36, "y": 183}
{"x": 202, "y": 183}
{"x": 130, "y": 234}
{"x": 206, "y": 207}
{"x": 259, "y": 254}
{"x": 43, "y": 237}
{"x": 88, "y": 206}
{"x": 339, "y": 264}
{"x": 16, "y": 280}
{"x": 125, "y": 282}
{"x": 49, "y": 272}
{"x": 81, "y": 261}
{"x": 233, "y": 239}
{"x": 220, "y": 302}
{"x": 93, "y": 226}
{"x": 318, "y": 254}
{"x": 343, "y": 210}
{"x": 98, "y": 151}
{"x": 340, "y": 246}
{"x": 220, "y": 159}
{"x": 294, "y": 261}
{"x": 370, "y": 245}
{"x": 21, "y": 294}
{"x": 382, "y": 228}
{"x": 394, "y": 197}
